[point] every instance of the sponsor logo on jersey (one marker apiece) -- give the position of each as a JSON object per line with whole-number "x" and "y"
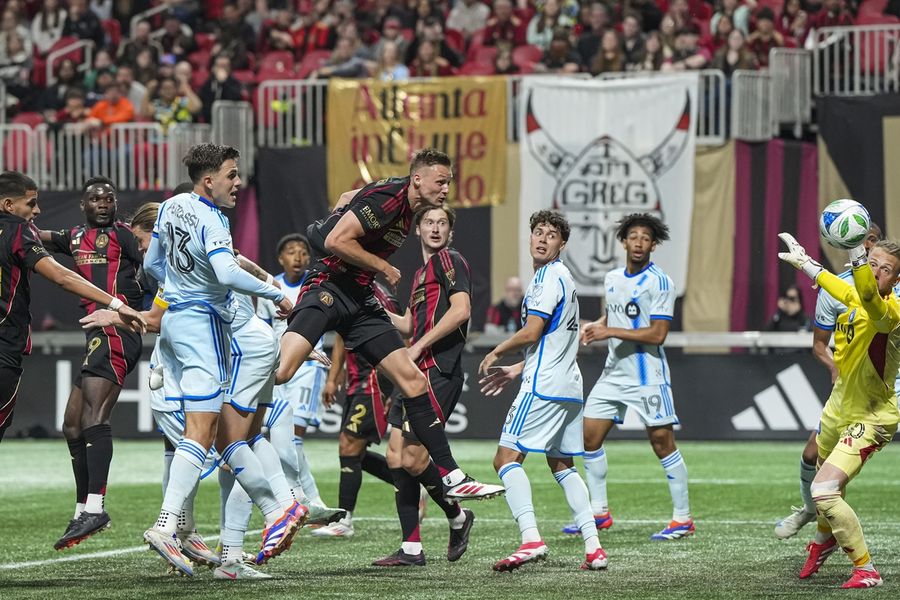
{"x": 632, "y": 310}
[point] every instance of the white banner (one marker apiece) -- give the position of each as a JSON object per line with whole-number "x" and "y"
{"x": 600, "y": 150}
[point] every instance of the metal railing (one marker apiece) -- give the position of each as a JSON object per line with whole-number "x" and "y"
{"x": 87, "y": 62}
{"x": 790, "y": 86}
{"x": 857, "y": 60}
{"x": 291, "y": 112}
{"x": 2, "y": 103}
{"x": 751, "y": 111}
{"x": 150, "y": 12}
{"x": 17, "y": 148}
{"x": 181, "y": 137}
{"x": 232, "y": 124}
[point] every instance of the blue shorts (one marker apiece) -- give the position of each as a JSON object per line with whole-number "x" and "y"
{"x": 544, "y": 426}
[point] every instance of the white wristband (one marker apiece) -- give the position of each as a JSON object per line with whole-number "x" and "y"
{"x": 116, "y": 304}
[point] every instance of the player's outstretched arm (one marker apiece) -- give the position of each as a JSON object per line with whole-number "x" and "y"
{"x": 229, "y": 273}
{"x": 527, "y": 336}
{"x": 457, "y": 314}
{"x": 343, "y": 242}
{"x": 884, "y": 315}
{"x": 345, "y": 198}
{"x": 497, "y": 378}
{"x": 797, "y": 257}
{"x": 108, "y": 318}
{"x": 76, "y": 284}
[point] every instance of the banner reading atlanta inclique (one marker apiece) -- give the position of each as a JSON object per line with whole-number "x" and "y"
{"x": 375, "y": 127}
{"x": 599, "y": 150}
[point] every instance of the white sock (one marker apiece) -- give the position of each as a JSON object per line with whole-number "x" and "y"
{"x": 280, "y": 421}
{"x": 518, "y": 497}
{"x": 411, "y": 547}
{"x": 310, "y": 490}
{"x": 580, "y": 505}
{"x": 167, "y": 464}
{"x": 226, "y": 482}
{"x": 79, "y": 508}
{"x": 455, "y": 476}
{"x": 94, "y": 503}
{"x": 807, "y": 474}
{"x": 236, "y": 510}
{"x": 184, "y": 474}
{"x": 250, "y": 474}
{"x": 595, "y": 466}
{"x": 677, "y": 474}
{"x": 186, "y": 516}
{"x": 271, "y": 465}
{"x": 458, "y": 521}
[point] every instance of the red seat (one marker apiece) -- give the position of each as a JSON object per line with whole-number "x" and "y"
{"x": 205, "y": 41}
{"x": 278, "y": 60}
{"x": 312, "y": 61}
{"x": 455, "y": 39}
{"x": 113, "y": 31}
{"x": 873, "y": 19}
{"x": 872, "y": 7}
{"x": 275, "y": 74}
{"x": 408, "y": 34}
{"x": 199, "y": 77}
{"x": 199, "y": 59}
{"x": 476, "y": 68}
{"x": 477, "y": 39}
{"x": 32, "y": 119}
{"x": 245, "y": 76}
{"x": 76, "y": 55}
{"x": 482, "y": 54}
{"x": 527, "y": 55}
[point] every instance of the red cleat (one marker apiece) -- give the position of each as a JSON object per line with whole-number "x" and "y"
{"x": 817, "y": 555}
{"x": 863, "y": 578}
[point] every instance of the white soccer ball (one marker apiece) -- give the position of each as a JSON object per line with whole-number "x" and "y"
{"x": 844, "y": 224}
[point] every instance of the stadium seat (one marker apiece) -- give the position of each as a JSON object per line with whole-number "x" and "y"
{"x": 455, "y": 39}
{"x": 312, "y": 61}
{"x": 275, "y": 74}
{"x": 872, "y": 7}
{"x": 278, "y": 60}
{"x": 205, "y": 41}
{"x": 245, "y": 76}
{"x": 199, "y": 77}
{"x": 32, "y": 119}
{"x": 477, "y": 39}
{"x": 873, "y": 19}
{"x": 482, "y": 54}
{"x": 113, "y": 31}
{"x": 526, "y": 55}
{"x": 199, "y": 59}
{"x": 476, "y": 68}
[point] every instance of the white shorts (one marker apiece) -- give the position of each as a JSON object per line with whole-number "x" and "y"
{"x": 652, "y": 403}
{"x": 195, "y": 349}
{"x": 304, "y": 392}
{"x": 254, "y": 358}
{"x": 171, "y": 425}
{"x": 545, "y": 426}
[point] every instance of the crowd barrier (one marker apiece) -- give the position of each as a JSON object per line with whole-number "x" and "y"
{"x": 857, "y": 60}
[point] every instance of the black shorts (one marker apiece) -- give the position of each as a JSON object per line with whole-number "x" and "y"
{"x": 110, "y": 353}
{"x": 364, "y": 416}
{"x": 350, "y": 310}
{"x": 9, "y": 387}
{"x": 444, "y": 391}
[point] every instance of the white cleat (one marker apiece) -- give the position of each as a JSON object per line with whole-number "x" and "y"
{"x": 595, "y": 561}
{"x": 791, "y": 524}
{"x": 235, "y": 569}
{"x": 340, "y": 529}
{"x": 469, "y": 489}
{"x": 321, "y": 515}
{"x": 168, "y": 546}
{"x": 193, "y": 546}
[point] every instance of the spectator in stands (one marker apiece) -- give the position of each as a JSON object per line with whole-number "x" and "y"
{"x": 765, "y": 37}
{"x": 504, "y": 26}
{"x": 344, "y": 62}
{"x": 739, "y": 13}
{"x": 140, "y": 40}
{"x": 47, "y": 26}
{"x": 790, "y": 315}
{"x": 468, "y": 16}
{"x": 145, "y": 69}
{"x": 254, "y": 13}
{"x": 102, "y": 8}
{"x": 391, "y": 33}
{"x": 545, "y": 22}
{"x": 278, "y": 34}
{"x": 74, "y": 110}
{"x": 506, "y": 315}
{"x": 632, "y": 39}
{"x": 428, "y": 63}
{"x": 348, "y": 29}
{"x": 425, "y": 10}
{"x": 793, "y": 21}
{"x": 893, "y": 8}
{"x": 723, "y": 29}
{"x": 735, "y": 55}
{"x": 113, "y": 108}
{"x": 560, "y": 57}
{"x": 221, "y": 85}
{"x": 104, "y": 79}
{"x": 53, "y": 97}
{"x": 9, "y": 24}
{"x": 84, "y": 23}
{"x": 15, "y": 67}
{"x": 19, "y": 9}
{"x": 183, "y": 72}
{"x": 433, "y": 31}
{"x": 589, "y": 40}
{"x": 680, "y": 13}
{"x": 610, "y": 58}
{"x": 317, "y": 29}
{"x": 687, "y": 53}
{"x": 177, "y": 39}
{"x": 503, "y": 60}
{"x": 833, "y": 14}
{"x": 236, "y": 38}
{"x": 388, "y": 66}
{"x": 650, "y": 13}
{"x": 667, "y": 33}
{"x": 653, "y": 56}
{"x": 133, "y": 90}
{"x": 169, "y": 102}
{"x": 102, "y": 62}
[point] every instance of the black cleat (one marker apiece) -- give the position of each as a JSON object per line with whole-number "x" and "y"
{"x": 80, "y": 529}
{"x": 459, "y": 538}
{"x": 401, "y": 559}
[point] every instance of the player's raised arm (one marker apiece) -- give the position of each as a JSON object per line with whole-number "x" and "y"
{"x": 345, "y": 198}
{"x": 343, "y": 242}
{"x": 797, "y": 257}
{"x": 874, "y": 276}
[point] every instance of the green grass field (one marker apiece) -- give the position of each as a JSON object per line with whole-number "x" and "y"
{"x": 737, "y": 492}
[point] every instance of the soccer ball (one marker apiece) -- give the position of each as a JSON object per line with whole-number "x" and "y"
{"x": 844, "y": 224}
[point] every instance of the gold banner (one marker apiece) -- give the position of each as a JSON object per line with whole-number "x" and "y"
{"x": 375, "y": 127}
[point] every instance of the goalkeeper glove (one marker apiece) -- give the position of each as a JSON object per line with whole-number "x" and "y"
{"x": 797, "y": 257}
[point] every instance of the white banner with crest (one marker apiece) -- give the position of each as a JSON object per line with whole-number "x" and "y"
{"x": 600, "y": 150}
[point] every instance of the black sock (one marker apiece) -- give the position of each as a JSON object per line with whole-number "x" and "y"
{"x": 98, "y": 440}
{"x": 407, "y": 498}
{"x": 425, "y": 424}
{"x": 431, "y": 479}
{"x": 78, "y": 452}
{"x": 351, "y": 480}
{"x": 376, "y": 464}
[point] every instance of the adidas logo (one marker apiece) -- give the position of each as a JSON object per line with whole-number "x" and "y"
{"x": 798, "y": 407}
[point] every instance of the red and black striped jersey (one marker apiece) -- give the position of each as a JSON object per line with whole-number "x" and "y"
{"x": 445, "y": 274}
{"x": 384, "y": 212}
{"x": 20, "y": 251}
{"x": 361, "y": 376}
{"x": 108, "y": 257}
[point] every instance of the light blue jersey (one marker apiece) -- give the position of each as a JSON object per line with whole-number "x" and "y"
{"x": 551, "y": 370}
{"x": 267, "y": 311}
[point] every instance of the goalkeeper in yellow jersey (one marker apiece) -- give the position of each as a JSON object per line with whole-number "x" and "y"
{"x": 861, "y": 414}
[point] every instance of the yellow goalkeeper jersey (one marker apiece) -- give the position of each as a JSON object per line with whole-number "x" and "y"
{"x": 867, "y": 350}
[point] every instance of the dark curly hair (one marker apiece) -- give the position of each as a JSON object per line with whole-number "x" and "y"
{"x": 658, "y": 229}
{"x": 553, "y": 218}
{"x": 292, "y": 237}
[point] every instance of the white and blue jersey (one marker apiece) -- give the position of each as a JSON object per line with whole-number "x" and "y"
{"x": 632, "y": 302}
{"x": 551, "y": 368}
{"x": 267, "y": 311}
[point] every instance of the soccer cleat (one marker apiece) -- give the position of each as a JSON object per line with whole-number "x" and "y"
{"x": 168, "y": 546}
{"x": 401, "y": 559}
{"x": 320, "y": 515}
{"x": 603, "y": 521}
{"x": 674, "y": 531}
{"x": 278, "y": 536}
{"x": 595, "y": 561}
{"x": 193, "y": 546}
{"x": 459, "y": 538}
{"x": 863, "y": 578}
{"x": 236, "y": 569}
{"x": 80, "y": 529}
{"x": 527, "y": 552}
{"x": 817, "y": 555}
{"x": 340, "y": 529}
{"x": 791, "y": 524}
{"x": 469, "y": 489}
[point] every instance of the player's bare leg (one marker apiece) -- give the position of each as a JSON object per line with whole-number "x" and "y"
{"x": 662, "y": 440}
{"x": 596, "y": 467}
{"x": 805, "y": 513}
{"x": 295, "y": 350}
{"x": 508, "y": 464}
